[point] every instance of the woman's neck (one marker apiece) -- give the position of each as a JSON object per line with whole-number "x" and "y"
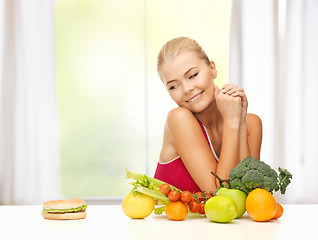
{"x": 210, "y": 117}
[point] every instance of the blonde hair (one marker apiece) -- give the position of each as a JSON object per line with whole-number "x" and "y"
{"x": 179, "y": 45}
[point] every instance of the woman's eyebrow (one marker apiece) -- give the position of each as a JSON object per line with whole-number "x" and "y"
{"x": 189, "y": 70}
{"x": 170, "y": 81}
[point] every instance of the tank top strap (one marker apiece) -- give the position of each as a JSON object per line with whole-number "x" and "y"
{"x": 205, "y": 133}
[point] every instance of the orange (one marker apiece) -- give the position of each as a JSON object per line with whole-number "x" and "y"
{"x": 176, "y": 210}
{"x": 260, "y": 205}
{"x": 279, "y": 211}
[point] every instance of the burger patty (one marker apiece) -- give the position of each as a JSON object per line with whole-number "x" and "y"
{"x": 66, "y": 212}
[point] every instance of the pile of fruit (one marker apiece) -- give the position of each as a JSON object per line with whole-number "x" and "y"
{"x": 226, "y": 204}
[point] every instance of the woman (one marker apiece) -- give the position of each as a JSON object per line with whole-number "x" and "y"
{"x": 210, "y": 130}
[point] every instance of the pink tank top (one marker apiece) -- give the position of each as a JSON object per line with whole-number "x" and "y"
{"x": 175, "y": 173}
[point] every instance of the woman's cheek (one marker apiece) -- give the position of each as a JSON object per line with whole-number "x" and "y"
{"x": 175, "y": 96}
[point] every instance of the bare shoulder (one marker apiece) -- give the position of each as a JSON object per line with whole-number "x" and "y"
{"x": 253, "y": 122}
{"x": 179, "y": 118}
{"x": 181, "y": 124}
{"x": 180, "y": 112}
{"x": 181, "y": 127}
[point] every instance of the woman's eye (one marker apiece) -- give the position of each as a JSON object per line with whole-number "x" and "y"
{"x": 194, "y": 75}
{"x": 172, "y": 87}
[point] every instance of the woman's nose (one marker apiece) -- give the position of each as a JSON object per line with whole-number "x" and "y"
{"x": 187, "y": 87}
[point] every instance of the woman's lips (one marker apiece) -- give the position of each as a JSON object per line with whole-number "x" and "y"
{"x": 195, "y": 97}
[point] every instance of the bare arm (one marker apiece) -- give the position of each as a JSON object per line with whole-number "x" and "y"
{"x": 244, "y": 145}
{"x": 191, "y": 145}
{"x": 254, "y": 125}
{"x": 251, "y": 137}
{"x": 250, "y": 126}
{"x": 231, "y": 111}
{"x": 229, "y": 156}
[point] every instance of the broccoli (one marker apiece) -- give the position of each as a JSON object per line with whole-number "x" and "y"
{"x": 252, "y": 173}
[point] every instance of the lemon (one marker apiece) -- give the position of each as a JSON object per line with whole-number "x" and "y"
{"x": 220, "y": 209}
{"x": 138, "y": 206}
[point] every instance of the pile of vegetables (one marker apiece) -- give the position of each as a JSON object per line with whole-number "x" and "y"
{"x": 250, "y": 178}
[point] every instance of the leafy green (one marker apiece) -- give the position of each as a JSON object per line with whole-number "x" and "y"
{"x": 284, "y": 179}
{"x": 159, "y": 210}
{"x": 65, "y": 210}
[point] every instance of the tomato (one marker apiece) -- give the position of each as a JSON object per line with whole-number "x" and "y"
{"x": 173, "y": 195}
{"x": 198, "y": 196}
{"x": 164, "y": 188}
{"x": 194, "y": 206}
{"x": 201, "y": 209}
{"x": 208, "y": 195}
{"x": 176, "y": 210}
{"x": 186, "y": 197}
{"x": 138, "y": 206}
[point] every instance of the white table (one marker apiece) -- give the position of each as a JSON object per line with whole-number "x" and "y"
{"x": 109, "y": 222}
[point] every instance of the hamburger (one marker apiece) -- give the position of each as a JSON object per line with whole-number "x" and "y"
{"x": 68, "y": 209}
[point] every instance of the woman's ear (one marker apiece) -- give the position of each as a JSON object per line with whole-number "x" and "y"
{"x": 214, "y": 71}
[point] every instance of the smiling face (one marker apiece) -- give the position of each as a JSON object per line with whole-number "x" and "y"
{"x": 189, "y": 80}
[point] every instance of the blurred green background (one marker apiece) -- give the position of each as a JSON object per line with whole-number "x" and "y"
{"x": 112, "y": 105}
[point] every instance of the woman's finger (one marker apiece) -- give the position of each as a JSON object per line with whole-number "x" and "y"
{"x": 228, "y": 85}
{"x": 233, "y": 90}
{"x": 242, "y": 96}
{"x": 237, "y": 93}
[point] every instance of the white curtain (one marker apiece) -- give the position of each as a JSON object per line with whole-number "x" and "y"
{"x": 274, "y": 56}
{"x": 28, "y": 107}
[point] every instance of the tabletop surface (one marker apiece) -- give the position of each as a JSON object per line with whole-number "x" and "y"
{"x": 108, "y": 222}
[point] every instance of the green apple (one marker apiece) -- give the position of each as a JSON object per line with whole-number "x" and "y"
{"x": 220, "y": 209}
{"x": 238, "y": 196}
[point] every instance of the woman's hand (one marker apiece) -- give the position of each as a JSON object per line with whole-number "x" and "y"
{"x": 229, "y": 106}
{"x": 235, "y": 91}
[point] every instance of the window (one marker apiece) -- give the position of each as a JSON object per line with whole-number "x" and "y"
{"x": 112, "y": 105}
